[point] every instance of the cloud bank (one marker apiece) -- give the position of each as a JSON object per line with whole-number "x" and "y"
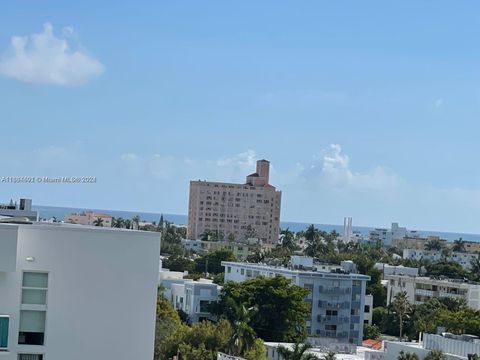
{"x": 48, "y": 60}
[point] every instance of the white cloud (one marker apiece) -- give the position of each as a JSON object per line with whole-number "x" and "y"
{"x": 332, "y": 170}
{"x": 46, "y": 59}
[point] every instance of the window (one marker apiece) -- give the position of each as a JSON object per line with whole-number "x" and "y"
{"x": 32, "y": 322}
{"x": 32, "y": 327}
{"x": 30, "y": 357}
{"x": 229, "y": 269}
{"x": 4, "y": 322}
{"x": 367, "y": 308}
{"x": 242, "y": 271}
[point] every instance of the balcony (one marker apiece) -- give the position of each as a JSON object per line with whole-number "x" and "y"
{"x": 333, "y": 305}
{"x": 333, "y": 319}
{"x": 423, "y": 292}
{"x": 335, "y": 290}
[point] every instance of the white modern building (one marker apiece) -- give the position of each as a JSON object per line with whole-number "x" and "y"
{"x": 387, "y": 269}
{"x": 463, "y": 258}
{"x": 421, "y": 289}
{"x": 21, "y": 209}
{"x": 337, "y": 298}
{"x": 368, "y": 310}
{"x": 387, "y": 236}
{"x": 455, "y": 347}
{"x": 191, "y": 297}
{"x": 77, "y": 292}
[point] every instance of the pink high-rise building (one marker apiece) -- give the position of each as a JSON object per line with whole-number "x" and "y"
{"x": 236, "y": 212}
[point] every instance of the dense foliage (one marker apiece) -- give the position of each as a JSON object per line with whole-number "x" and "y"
{"x": 278, "y": 309}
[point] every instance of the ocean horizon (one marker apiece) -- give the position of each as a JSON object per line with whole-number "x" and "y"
{"x": 48, "y": 212}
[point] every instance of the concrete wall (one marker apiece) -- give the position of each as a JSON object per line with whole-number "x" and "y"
{"x": 102, "y": 290}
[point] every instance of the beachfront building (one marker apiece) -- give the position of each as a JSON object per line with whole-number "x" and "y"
{"x": 462, "y": 258}
{"x": 77, "y": 292}
{"x": 21, "y": 209}
{"x": 420, "y": 289}
{"x": 236, "y": 212}
{"x": 337, "y": 298}
{"x": 89, "y": 218}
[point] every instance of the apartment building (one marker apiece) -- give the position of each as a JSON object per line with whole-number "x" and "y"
{"x": 417, "y": 243}
{"x": 77, "y": 292}
{"x": 462, "y": 258}
{"x": 241, "y": 250}
{"x": 236, "y": 211}
{"x": 387, "y": 269}
{"x": 21, "y": 209}
{"x": 421, "y": 289}
{"x": 337, "y": 299}
{"x": 89, "y": 218}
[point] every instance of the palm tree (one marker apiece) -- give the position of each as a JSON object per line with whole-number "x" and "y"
{"x": 98, "y": 222}
{"x": 243, "y": 336}
{"x": 407, "y": 356}
{"x": 459, "y": 245}
{"x": 136, "y": 220}
{"x": 299, "y": 352}
{"x": 288, "y": 240}
{"x": 434, "y": 244}
{"x": 401, "y": 308}
{"x": 436, "y": 355}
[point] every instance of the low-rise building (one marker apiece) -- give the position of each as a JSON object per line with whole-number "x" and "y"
{"x": 417, "y": 243}
{"x": 21, "y": 209}
{"x": 337, "y": 298}
{"x": 387, "y": 269}
{"x": 463, "y": 258}
{"x": 472, "y": 246}
{"x": 368, "y": 310}
{"x": 388, "y": 236}
{"x": 421, "y": 289}
{"x": 76, "y": 292}
{"x": 240, "y": 250}
{"x": 89, "y": 218}
{"x": 191, "y": 297}
{"x": 455, "y": 347}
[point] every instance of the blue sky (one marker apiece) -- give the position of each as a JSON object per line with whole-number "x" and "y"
{"x": 367, "y": 109}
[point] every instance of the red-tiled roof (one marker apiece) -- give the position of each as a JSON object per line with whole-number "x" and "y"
{"x": 372, "y": 344}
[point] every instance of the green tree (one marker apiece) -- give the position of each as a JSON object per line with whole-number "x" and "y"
{"x": 299, "y": 352}
{"x": 475, "y": 268}
{"x": 168, "y": 323}
{"x": 178, "y": 263}
{"x": 459, "y": 245}
{"x": 407, "y": 356}
{"x": 281, "y": 308}
{"x": 434, "y": 244}
{"x": 436, "y": 355}
{"x": 243, "y": 335}
{"x": 370, "y": 332}
{"x": 211, "y": 262}
{"x": 402, "y": 309}
{"x": 256, "y": 351}
{"x": 329, "y": 356}
{"x": 288, "y": 240}
{"x": 98, "y": 222}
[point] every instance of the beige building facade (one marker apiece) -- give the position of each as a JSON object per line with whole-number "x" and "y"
{"x": 88, "y": 218}
{"x": 236, "y": 212}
